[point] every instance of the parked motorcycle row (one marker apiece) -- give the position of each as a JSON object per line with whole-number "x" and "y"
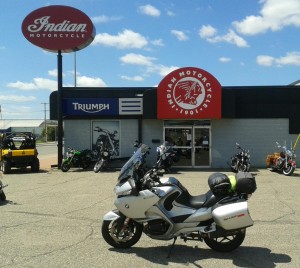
{"x": 107, "y": 151}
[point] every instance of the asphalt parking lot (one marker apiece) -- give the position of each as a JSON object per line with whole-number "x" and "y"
{"x": 53, "y": 219}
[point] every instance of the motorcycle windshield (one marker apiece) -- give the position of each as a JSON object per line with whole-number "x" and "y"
{"x": 133, "y": 163}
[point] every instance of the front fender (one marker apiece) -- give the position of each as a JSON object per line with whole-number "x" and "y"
{"x": 66, "y": 161}
{"x": 110, "y": 216}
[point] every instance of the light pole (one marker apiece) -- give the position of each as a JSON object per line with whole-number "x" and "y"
{"x": 45, "y": 121}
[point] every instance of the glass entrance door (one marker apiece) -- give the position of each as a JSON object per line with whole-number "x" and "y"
{"x": 201, "y": 146}
{"x": 193, "y": 142}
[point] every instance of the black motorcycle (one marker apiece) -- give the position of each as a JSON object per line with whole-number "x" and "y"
{"x": 240, "y": 161}
{"x": 106, "y": 156}
{"x": 78, "y": 159}
{"x": 2, "y": 194}
{"x": 166, "y": 156}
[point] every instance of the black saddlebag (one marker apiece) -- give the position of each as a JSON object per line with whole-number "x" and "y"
{"x": 219, "y": 184}
{"x": 245, "y": 183}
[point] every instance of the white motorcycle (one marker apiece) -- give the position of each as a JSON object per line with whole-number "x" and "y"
{"x": 163, "y": 209}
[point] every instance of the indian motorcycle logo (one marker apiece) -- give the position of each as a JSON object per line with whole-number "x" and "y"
{"x": 189, "y": 93}
{"x": 57, "y": 28}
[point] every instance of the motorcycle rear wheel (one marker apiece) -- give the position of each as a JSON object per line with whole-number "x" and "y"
{"x": 227, "y": 243}
{"x": 289, "y": 170}
{"x": 86, "y": 163}
{"x": 125, "y": 238}
{"x": 65, "y": 166}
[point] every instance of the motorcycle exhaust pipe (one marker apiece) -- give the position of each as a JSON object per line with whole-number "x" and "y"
{"x": 223, "y": 233}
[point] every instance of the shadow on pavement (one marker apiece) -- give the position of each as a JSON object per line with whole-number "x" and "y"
{"x": 181, "y": 254}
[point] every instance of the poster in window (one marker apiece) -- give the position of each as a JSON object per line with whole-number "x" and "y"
{"x": 107, "y": 133}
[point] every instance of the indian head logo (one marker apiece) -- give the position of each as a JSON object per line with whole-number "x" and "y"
{"x": 189, "y": 93}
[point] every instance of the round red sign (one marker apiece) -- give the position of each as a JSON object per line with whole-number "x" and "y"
{"x": 58, "y": 28}
{"x": 189, "y": 93}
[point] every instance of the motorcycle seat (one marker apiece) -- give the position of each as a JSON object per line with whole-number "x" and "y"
{"x": 203, "y": 200}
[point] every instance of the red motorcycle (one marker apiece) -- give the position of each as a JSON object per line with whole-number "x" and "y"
{"x": 282, "y": 162}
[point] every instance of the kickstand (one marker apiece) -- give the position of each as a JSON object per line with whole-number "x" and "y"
{"x": 171, "y": 247}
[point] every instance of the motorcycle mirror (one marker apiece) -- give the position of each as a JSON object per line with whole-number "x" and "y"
{"x": 278, "y": 145}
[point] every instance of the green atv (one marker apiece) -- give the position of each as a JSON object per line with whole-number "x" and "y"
{"x": 18, "y": 150}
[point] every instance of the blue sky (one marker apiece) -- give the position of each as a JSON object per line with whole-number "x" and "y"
{"x": 137, "y": 43}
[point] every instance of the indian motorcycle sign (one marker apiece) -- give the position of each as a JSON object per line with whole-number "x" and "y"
{"x": 189, "y": 93}
{"x": 58, "y": 28}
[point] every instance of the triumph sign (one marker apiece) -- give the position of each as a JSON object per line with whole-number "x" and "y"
{"x": 189, "y": 93}
{"x": 102, "y": 106}
{"x": 58, "y": 28}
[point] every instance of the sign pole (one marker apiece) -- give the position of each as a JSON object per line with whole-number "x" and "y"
{"x": 59, "y": 109}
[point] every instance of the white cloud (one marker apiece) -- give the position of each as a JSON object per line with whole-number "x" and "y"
{"x": 148, "y": 63}
{"x": 17, "y": 98}
{"x": 124, "y": 40}
{"x": 181, "y": 36}
{"x": 22, "y": 86}
{"x": 37, "y": 84}
{"x": 137, "y": 59}
{"x": 51, "y": 85}
{"x": 104, "y": 19}
{"x": 84, "y": 81}
{"x": 136, "y": 78}
{"x": 158, "y": 42}
{"x": 170, "y": 13}
{"x": 291, "y": 58}
{"x": 44, "y": 83}
{"x": 149, "y": 10}
{"x": 274, "y": 15}
{"x": 52, "y": 72}
{"x": 164, "y": 70}
{"x": 224, "y": 59}
{"x": 265, "y": 60}
{"x": 209, "y": 33}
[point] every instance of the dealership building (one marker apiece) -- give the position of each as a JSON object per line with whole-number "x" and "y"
{"x": 188, "y": 109}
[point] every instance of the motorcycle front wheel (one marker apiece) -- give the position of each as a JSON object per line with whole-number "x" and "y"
{"x": 244, "y": 167}
{"x": 226, "y": 243}
{"x": 65, "y": 166}
{"x": 289, "y": 170}
{"x": 100, "y": 164}
{"x": 121, "y": 236}
{"x": 2, "y": 196}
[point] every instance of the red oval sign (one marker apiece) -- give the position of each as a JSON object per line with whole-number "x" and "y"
{"x": 58, "y": 28}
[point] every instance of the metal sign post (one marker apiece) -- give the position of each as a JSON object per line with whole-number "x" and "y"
{"x": 59, "y": 110}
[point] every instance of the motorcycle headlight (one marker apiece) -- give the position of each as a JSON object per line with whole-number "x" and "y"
{"x": 105, "y": 153}
{"x": 125, "y": 188}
